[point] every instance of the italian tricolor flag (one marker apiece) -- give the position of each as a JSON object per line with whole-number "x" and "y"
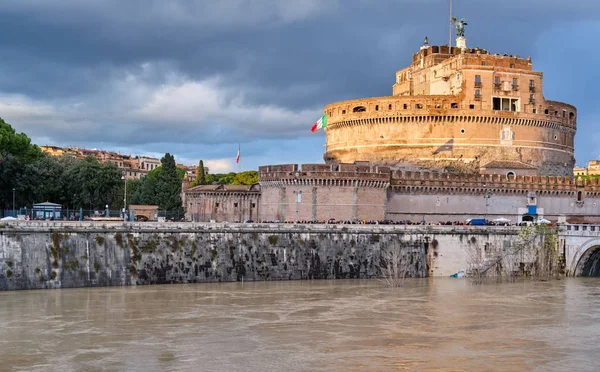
{"x": 321, "y": 123}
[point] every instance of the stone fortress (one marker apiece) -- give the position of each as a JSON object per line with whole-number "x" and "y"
{"x": 465, "y": 134}
{"x": 458, "y": 109}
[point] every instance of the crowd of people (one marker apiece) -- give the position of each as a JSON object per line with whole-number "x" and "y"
{"x": 389, "y": 222}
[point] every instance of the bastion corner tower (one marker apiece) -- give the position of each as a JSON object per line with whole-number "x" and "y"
{"x": 459, "y": 110}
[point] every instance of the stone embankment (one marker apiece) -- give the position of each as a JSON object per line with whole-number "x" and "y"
{"x": 38, "y": 255}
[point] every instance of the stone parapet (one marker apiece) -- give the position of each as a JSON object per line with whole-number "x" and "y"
{"x": 324, "y": 174}
{"x": 440, "y": 109}
{"x": 68, "y": 227}
{"x": 471, "y": 183}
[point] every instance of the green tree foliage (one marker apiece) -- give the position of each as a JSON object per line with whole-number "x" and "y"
{"x": 245, "y": 178}
{"x": 200, "y": 175}
{"x": 168, "y": 184}
{"x": 94, "y": 184}
{"x": 231, "y": 178}
{"x": 16, "y": 151}
{"x": 17, "y": 144}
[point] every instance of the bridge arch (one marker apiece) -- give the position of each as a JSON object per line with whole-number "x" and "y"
{"x": 586, "y": 261}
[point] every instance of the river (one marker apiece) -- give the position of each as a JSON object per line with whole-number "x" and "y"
{"x": 353, "y": 325}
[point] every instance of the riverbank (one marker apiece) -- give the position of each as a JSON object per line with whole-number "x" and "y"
{"x": 38, "y": 254}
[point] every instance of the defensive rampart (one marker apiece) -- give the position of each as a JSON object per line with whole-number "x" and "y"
{"x": 435, "y": 197}
{"x": 319, "y": 192}
{"x": 36, "y": 255}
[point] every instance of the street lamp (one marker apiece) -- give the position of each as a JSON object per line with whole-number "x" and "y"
{"x": 487, "y": 197}
{"x": 297, "y": 196}
{"x": 124, "y": 199}
{"x": 14, "y": 202}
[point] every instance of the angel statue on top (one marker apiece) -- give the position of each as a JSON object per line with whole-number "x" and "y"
{"x": 460, "y": 26}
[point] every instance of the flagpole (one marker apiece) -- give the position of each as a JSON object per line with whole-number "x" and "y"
{"x": 240, "y": 163}
{"x": 450, "y": 26}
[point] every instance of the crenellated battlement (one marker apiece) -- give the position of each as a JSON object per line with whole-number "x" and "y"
{"x": 324, "y": 175}
{"x": 444, "y": 110}
{"x": 381, "y": 176}
{"x": 433, "y": 181}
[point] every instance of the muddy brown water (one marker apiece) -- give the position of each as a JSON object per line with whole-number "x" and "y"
{"x": 429, "y": 325}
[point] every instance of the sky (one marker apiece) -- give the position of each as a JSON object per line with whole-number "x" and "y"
{"x": 197, "y": 78}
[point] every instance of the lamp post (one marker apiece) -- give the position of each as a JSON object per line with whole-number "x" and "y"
{"x": 487, "y": 197}
{"x": 14, "y": 203}
{"x": 124, "y": 199}
{"x": 297, "y": 196}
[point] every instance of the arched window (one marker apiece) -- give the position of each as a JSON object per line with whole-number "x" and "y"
{"x": 579, "y": 195}
{"x": 359, "y": 109}
{"x": 510, "y": 175}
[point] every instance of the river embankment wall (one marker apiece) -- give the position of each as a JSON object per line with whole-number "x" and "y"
{"x": 40, "y": 255}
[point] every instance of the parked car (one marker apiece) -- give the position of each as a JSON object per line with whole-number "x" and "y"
{"x": 477, "y": 221}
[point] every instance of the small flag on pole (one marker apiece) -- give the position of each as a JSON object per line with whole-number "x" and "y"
{"x": 321, "y": 123}
{"x": 237, "y": 158}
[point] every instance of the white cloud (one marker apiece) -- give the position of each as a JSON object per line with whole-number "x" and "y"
{"x": 221, "y": 165}
{"x": 16, "y": 107}
{"x": 207, "y": 104}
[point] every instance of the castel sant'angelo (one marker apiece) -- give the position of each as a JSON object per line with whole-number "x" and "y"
{"x": 465, "y": 133}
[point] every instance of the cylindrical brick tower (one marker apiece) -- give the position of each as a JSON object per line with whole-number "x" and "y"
{"x": 459, "y": 110}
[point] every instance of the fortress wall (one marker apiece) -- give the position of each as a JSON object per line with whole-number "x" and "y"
{"x": 272, "y": 205}
{"x": 48, "y": 255}
{"x": 432, "y": 141}
{"x": 339, "y": 191}
{"x": 334, "y": 202}
{"x": 320, "y": 203}
{"x": 442, "y": 197}
{"x": 372, "y": 203}
{"x": 442, "y": 207}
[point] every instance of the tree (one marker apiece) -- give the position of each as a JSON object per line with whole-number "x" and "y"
{"x": 226, "y": 179}
{"x": 17, "y": 144}
{"x": 168, "y": 184}
{"x": 245, "y": 178}
{"x": 200, "y": 175}
{"x": 533, "y": 254}
{"x": 93, "y": 184}
{"x": 16, "y": 151}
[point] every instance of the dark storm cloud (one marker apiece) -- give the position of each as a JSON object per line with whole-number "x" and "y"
{"x": 141, "y": 73}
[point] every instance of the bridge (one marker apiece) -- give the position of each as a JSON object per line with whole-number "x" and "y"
{"x": 581, "y": 248}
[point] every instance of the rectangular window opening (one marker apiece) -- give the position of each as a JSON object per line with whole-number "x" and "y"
{"x": 496, "y": 103}
{"x": 505, "y": 104}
